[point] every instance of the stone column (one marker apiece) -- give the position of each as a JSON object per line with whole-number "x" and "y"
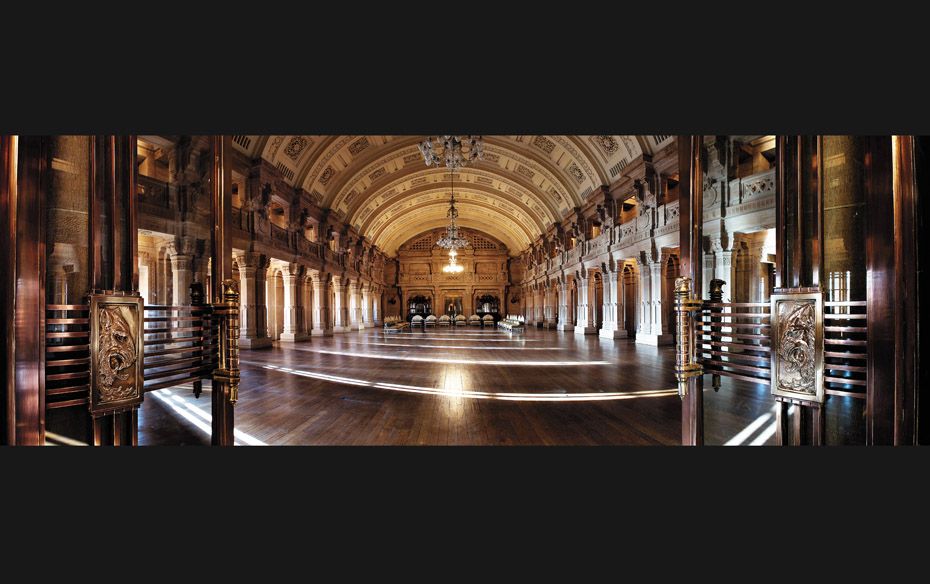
{"x": 723, "y": 261}
{"x": 366, "y": 321}
{"x": 756, "y": 255}
{"x": 645, "y": 299}
{"x": 293, "y": 276}
{"x": 181, "y": 272}
{"x": 376, "y": 296}
{"x": 529, "y": 309}
{"x": 251, "y": 302}
{"x": 567, "y": 319}
{"x": 320, "y": 305}
{"x": 306, "y": 303}
{"x": 708, "y": 269}
{"x": 339, "y": 312}
{"x": 585, "y": 324}
{"x": 611, "y": 328}
{"x": 353, "y": 306}
{"x": 657, "y": 333}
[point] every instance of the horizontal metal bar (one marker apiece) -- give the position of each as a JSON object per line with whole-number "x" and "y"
{"x": 65, "y": 348}
{"x": 843, "y": 380}
{"x": 718, "y": 335}
{"x": 845, "y": 329}
{"x": 751, "y": 358}
{"x": 722, "y": 325}
{"x": 68, "y": 389}
{"x": 738, "y": 304}
{"x": 194, "y": 349}
{"x": 706, "y": 315}
{"x": 173, "y": 341}
{"x": 66, "y": 362}
{"x": 67, "y": 320}
{"x": 67, "y": 335}
{"x": 844, "y": 342}
{"x": 66, "y": 404}
{"x": 172, "y": 373}
{"x": 179, "y": 329}
{"x": 169, "y": 362}
{"x": 829, "y": 316}
{"x": 67, "y": 307}
{"x": 841, "y": 355}
{"x": 173, "y": 382}
{"x": 842, "y": 393}
{"x": 762, "y": 380}
{"x": 61, "y": 376}
{"x": 838, "y": 367}
{"x": 846, "y": 303}
{"x": 718, "y": 363}
{"x": 741, "y": 346}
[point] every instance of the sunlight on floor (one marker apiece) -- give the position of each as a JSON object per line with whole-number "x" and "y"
{"x": 418, "y": 358}
{"x": 743, "y": 435}
{"x": 453, "y": 388}
{"x": 198, "y": 417}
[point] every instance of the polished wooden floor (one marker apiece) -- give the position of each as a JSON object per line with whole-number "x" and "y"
{"x": 453, "y": 386}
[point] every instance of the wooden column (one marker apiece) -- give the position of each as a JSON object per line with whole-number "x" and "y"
{"x": 24, "y": 288}
{"x": 690, "y": 165}
{"x": 880, "y": 286}
{"x": 225, "y": 296}
{"x": 8, "y": 157}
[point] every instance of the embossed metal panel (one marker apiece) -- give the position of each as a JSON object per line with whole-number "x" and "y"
{"x": 116, "y": 352}
{"x": 797, "y": 346}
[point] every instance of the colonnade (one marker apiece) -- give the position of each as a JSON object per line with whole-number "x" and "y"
{"x": 289, "y": 302}
{"x": 615, "y": 300}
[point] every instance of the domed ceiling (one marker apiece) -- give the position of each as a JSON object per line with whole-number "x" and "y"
{"x": 381, "y": 185}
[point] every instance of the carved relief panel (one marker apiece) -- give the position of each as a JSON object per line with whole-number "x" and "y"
{"x": 116, "y": 352}
{"x": 797, "y": 346}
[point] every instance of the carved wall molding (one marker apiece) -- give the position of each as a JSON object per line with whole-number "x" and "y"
{"x": 116, "y": 353}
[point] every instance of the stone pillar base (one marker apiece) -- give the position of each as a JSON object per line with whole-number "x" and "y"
{"x": 293, "y": 337}
{"x": 585, "y": 330}
{"x": 321, "y": 332}
{"x": 653, "y": 339}
{"x": 551, "y": 325}
{"x": 565, "y": 326}
{"x": 257, "y": 343}
{"x": 352, "y": 327}
{"x": 341, "y": 329}
{"x": 612, "y": 334}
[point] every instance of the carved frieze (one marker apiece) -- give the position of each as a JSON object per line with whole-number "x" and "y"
{"x": 116, "y": 352}
{"x": 797, "y": 346}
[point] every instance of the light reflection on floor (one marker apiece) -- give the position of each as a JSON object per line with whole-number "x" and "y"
{"x": 509, "y": 363}
{"x": 196, "y": 416}
{"x": 453, "y": 387}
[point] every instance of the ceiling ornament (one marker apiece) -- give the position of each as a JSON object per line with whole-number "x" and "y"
{"x": 451, "y": 240}
{"x": 453, "y": 151}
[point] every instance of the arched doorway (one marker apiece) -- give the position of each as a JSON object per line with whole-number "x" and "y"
{"x": 671, "y": 273}
{"x": 629, "y": 299}
{"x": 573, "y": 298}
{"x": 598, "y": 299}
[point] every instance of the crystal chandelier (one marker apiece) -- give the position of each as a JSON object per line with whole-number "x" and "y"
{"x": 454, "y": 151}
{"x": 452, "y": 267}
{"x": 451, "y": 240}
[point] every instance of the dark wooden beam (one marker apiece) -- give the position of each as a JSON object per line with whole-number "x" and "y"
{"x": 880, "y": 292}
{"x": 691, "y": 226}
{"x": 904, "y": 178}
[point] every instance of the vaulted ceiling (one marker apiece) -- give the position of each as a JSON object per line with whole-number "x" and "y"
{"x": 381, "y": 185}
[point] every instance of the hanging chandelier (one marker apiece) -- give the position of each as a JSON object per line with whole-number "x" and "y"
{"x": 451, "y": 240}
{"x": 454, "y": 151}
{"x": 452, "y": 267}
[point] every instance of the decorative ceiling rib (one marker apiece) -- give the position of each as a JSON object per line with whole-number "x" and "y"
{"x": 382, "y": 187}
